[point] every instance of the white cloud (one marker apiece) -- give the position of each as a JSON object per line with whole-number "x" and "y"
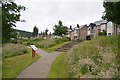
{"x": 46, "y": 14}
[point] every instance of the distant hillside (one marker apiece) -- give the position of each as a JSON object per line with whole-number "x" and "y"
{"x": 24, "y": 33}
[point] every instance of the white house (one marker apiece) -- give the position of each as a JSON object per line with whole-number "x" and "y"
{"x": 110, "y": 27}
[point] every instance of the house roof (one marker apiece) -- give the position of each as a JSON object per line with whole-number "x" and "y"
{"x": 100, "y": 22}
{"x": 82, "y": 26}
{"x": 76, "y": 28}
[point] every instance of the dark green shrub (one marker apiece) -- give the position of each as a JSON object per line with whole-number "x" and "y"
{"x": 103, "y": 33}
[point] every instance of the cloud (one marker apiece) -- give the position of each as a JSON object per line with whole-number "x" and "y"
{"x": 45, "y": 14}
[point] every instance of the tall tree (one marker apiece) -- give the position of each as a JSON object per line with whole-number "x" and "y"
{"x": 10, "y": 15}
{"x": 46, "y": 32}
{"x": 50, "y": 34}
{"x": 70, "y": 27}
{"x": 78, "y": 26}
{"x": 35, "y": 31}
{"x": 60, "y": 23}
{"x": 60, "y": 30}
{"x": 112, "y": 11}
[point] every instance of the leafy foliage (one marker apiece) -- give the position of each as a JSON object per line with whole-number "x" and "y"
{"x": 94, "y": 59}
{"x": 78, "y": 26}
{"x": 10, "y": 14}
{"x": 103, "y": 33}
{"x": 112, "y": 11}
{"x": 35, "y": 31}
{"x": 60, "y": 30}
{"x": 46, "y": 32}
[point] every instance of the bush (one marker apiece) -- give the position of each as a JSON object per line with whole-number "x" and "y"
{"x": 37, "y": 39}
{"x": 10, "y": 50}
{"x": 64, "y": 39}
{"x": 95, "y": 58}
{"x": 104, "y": 33}
{"x": 32, "y": 41}
{"x": 46, "y": 43}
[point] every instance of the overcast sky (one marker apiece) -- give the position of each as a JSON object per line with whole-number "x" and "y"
{"x": 46, "y": 13}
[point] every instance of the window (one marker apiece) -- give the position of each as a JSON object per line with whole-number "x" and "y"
{"x": 109, "y": 24}
{"x": 109, "y": 34}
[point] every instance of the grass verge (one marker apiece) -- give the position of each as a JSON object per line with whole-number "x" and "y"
{"x": 14, "y": 65}
{"x": 59, "y": 68}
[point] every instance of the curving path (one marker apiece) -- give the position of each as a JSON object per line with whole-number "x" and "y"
{"x": 41, "y": 68}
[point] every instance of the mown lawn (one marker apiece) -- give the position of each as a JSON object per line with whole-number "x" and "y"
{"x": 12, "y": 66}
{"x": 59, "y": 67}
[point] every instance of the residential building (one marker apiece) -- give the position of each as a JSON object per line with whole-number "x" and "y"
{"x": 103, "y": 25}
{"x": 83, "y": 32}
{"x": 93, "y": 30}
{"x": 78, "y": 33}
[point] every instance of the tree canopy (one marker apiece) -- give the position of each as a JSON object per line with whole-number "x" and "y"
{"x": 60, "y": 30}
{"x": 112, "y": 11}
{"x": 70, "y": 27}
{"x": 10, "y": 15}
{"x": 46, "y": 32}
{"x": 78, "y": 26}
{"x": 35, "y": 31}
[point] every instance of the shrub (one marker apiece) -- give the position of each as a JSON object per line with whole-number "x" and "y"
{"x": 10, "y": 50}
{"x": 64, "y": 39}
{"x": 103, "y": 33}
{"x": 45, "y": 43}
{"x": 95, "y": 58}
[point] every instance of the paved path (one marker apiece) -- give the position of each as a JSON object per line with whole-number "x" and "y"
{"x": 41, "y": 68}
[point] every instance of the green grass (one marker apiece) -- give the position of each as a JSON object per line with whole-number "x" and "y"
{"x": 10, "y": 50}
{"x": 48, "y": 44}
{"x": 14, "y": 65}
{"x": 53, "y": 48}
{"x": 0, "y": 68}
{"x": 59, "y": 68}
{"x": 94, "y": 58}
{"x": 90, "y": 59}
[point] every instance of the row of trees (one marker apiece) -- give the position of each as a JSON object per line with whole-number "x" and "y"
{"x": 11, "y": 14}
{"x": 59, "y": 30}
{"x": 36, "y": 32}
